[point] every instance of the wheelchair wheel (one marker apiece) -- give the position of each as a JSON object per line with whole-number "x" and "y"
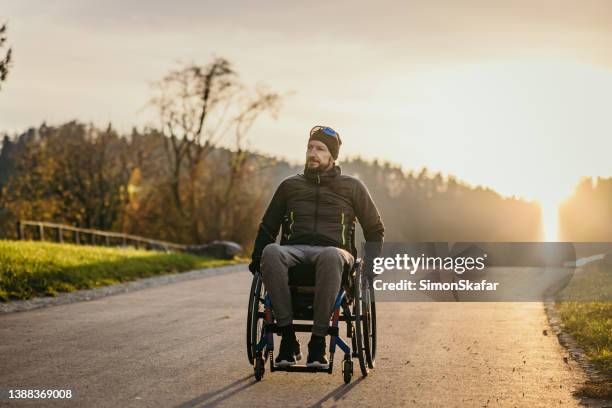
{"x": 254, "y": 322}
{"x": 361, "y": 326}
{"x": 369, "y": 321}
{"x": 347, "y": 370}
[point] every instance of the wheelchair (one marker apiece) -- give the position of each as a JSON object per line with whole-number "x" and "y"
{"x": 354, "y": 305}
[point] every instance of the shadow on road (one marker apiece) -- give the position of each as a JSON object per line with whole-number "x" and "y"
{"x": 214, "y": 398}
{"x": 205, "y": 399}
{"x": 337, "y": 393}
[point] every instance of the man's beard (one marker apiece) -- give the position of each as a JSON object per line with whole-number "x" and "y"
{"x": 318, "y": 169}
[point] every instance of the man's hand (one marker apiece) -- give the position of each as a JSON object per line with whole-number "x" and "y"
{"x": 368, "y": 269}
{"x": 254, "y": 266}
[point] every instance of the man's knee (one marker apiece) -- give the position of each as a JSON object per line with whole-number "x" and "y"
{"x": 331, "y": 257}
{"x": 271, "y": 252}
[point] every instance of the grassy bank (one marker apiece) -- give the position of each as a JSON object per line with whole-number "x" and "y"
{"x": 590, "y": 323}
{"x": 29, "y": 269}
{"x": 585, "y": 306}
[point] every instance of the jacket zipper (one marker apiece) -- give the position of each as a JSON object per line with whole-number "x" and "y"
{"x": 343, "y": 226}
{"x": 316, "y": 214}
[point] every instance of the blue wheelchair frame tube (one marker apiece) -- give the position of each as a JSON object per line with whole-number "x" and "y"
{"x": 267, "y": 337}
{"x": 337, "y": 340}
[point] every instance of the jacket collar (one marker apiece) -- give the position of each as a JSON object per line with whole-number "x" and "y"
{"x": 319, "y": 177}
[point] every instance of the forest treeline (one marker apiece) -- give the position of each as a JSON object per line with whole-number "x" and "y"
{"x": 587, "y": 214}
{"x": 84, "y": 176}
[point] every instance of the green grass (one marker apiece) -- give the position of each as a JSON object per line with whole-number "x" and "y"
{"x": 29, "y": 269}
{"x": 590, "y": 323}
{"x": 586, "y": 310}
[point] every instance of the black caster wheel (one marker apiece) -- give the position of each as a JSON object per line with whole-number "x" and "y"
{"x": 259, "y": 369}
{"x": 347, "y": 370}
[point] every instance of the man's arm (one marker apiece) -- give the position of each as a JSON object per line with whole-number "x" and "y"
{"x": 269, "y": 226}
{"x": 371, "y": 223}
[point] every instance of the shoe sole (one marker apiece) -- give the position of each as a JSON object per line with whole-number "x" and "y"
{"x": 285, "y": 363}
{"x": 316, "y": 364}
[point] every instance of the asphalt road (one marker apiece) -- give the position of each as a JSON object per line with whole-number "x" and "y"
{"x": 182, "y": 345}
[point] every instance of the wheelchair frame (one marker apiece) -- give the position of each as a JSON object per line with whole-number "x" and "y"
{"x": 354, "y": 305}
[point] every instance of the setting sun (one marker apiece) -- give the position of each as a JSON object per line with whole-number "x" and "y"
{"x": 525, "y": 127}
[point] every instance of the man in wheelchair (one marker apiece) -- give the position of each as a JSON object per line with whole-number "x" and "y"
{"x": 317, "y": 211}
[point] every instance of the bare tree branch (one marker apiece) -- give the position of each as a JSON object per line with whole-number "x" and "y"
{"x": 5, "y": 62}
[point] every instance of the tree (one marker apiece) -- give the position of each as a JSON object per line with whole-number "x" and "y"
{"x": 6, "y": 61}
{"x": 235, "y": 196}
{"x": 198, "y": 105}
{"x": 73, "y": 174}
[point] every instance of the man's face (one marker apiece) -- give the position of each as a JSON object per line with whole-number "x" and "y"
{"x": 318, "y": 156}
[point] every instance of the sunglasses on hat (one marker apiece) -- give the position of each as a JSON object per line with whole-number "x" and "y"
{"x": 326, "y": 130}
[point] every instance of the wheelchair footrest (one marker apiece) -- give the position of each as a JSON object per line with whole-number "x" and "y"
{"x": 303, "y": 369}
{"x": 302, "y": 328}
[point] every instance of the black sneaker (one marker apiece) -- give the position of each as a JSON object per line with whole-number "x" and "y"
{"x": 289, "y": 352}
{"x": 316, "y": 353}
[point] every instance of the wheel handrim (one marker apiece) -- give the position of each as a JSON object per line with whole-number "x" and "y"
{"x": 369, "y": 323}
{"x": 359, "y": 326}
{"x": 254, "y": 323}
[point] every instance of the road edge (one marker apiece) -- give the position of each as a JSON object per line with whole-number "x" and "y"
{"x": 567, "y": 341}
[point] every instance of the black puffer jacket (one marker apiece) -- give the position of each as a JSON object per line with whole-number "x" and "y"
{"x": 319, "y": 209}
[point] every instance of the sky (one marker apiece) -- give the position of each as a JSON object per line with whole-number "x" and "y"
{"x": 512, "y": 95}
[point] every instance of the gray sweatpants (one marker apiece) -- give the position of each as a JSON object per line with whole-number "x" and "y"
{"x": 329, "y": 263}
